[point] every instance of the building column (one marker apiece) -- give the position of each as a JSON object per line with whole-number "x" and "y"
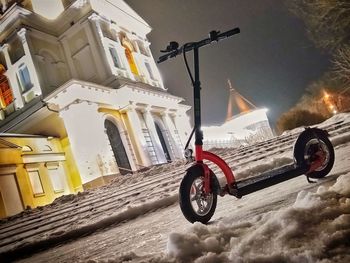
{"x": 138, "y": 135}
{"x": 22, "y": 33}
{"x": 154, "y": 135}
{"x": 171, "y": 129}
{"x": 96, "y": 48}
{"x": 89, "y": 142}
{"x": 12, "y": 78}
{"x": 97, "y": 30}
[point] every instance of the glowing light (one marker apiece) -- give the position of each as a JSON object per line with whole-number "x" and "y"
{"x": 325, "y": 95}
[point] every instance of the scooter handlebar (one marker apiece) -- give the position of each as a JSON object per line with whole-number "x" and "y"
{"x": 229, "y": 33}
{"x": 173, "y": 50}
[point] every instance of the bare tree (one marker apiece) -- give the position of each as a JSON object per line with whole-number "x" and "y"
{"x": 328, "y": 25}
{"x": 342, "y": 63}
{"x": 327, "y": 21}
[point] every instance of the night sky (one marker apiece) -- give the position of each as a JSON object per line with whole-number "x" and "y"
{"x": 270, "y": 62}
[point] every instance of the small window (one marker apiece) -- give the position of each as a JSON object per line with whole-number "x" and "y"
{"x": 56, "y": 180}
{"x": 114, "y": 57}
{"x": 35, "y": 181}
{"x": 149, "y": 69}
{"x": 24, "y": 76}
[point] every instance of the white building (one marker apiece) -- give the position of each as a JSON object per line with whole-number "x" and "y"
{"x": 82, "y": 71}
{"x": 249, "y": 125}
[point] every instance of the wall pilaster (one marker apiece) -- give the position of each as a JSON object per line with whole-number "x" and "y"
{"x": 138, "y": 136}
{"x": 89, "y": 142}
{"x": 171, "y": 129}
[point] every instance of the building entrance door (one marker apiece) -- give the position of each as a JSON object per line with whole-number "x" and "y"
{"x": 163, "y": 143}
{"x": 118, "y": 147}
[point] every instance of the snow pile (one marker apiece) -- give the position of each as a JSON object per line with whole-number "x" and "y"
{"x": 316, "y": 228}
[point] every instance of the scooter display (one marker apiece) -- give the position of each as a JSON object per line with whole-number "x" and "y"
{"x": 313, "y": 152}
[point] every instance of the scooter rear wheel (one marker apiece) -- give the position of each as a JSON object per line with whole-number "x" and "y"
{"x": 307, "y": 145}
{"x": 195, "y": 204}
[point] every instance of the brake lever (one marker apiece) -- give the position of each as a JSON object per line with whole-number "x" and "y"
{"x": 214, "y": 35}
{"x": 173, "y": 45}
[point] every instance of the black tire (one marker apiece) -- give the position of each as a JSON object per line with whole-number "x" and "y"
{"x": 307, "y": 144}
{"x": 190, "y": 213}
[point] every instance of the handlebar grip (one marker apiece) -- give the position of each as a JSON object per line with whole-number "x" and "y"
{"x": 167, "y": 56}
{"x": 229, "y": 33}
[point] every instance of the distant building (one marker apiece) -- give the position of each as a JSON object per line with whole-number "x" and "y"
{"x": 82, "y": 71}
{"x": 250, "y": 125}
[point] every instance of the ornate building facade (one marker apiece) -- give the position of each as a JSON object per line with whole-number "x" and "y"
{"x": 82, "y": 71}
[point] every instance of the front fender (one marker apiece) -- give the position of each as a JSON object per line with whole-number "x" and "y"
{"x": 211, "y": 182}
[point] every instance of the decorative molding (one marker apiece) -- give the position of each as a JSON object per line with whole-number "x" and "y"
{"x": 52, "y": 165}
{"x": 32, "y": 167}
{"x": 22, "y": 34}
{"x": 38, "y": 158}
{"x": 11, "y": 169}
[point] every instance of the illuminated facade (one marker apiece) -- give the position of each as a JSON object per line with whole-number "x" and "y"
{"x": 34, "y": 170}
{"x": 82, "y": 71}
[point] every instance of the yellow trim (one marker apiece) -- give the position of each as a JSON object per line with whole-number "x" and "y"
{"x": 71, "y": 168}
{"x": 60, "y": 157}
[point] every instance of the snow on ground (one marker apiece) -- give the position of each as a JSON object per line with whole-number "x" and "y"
{"x": 315, "y": 228}
{"x": 261, "y": 227}
{"x": 304, "y": 227}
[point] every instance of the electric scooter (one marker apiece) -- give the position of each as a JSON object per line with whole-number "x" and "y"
{"x": 313, "y": 152}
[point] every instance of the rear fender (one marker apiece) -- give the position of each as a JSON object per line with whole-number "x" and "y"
{"x": 303, "y": 136}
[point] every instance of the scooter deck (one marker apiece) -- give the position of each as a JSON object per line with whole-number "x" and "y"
{"x": 250, "y": 185}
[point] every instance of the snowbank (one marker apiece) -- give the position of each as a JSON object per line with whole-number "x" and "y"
{"x": 316, "y": 228}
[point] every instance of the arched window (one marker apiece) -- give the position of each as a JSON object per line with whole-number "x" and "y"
{"x": 118, "y": 147}
{"x": 129, "y": 48}
{"x": 6, "y": 96}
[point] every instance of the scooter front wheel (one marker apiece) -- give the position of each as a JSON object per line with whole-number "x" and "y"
{"x": 195, "y": 204}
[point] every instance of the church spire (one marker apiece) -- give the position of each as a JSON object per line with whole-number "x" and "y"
{"x": 236, "y": 99}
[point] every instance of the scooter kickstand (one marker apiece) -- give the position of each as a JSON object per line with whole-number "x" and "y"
{"x": 310, "y": 181}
